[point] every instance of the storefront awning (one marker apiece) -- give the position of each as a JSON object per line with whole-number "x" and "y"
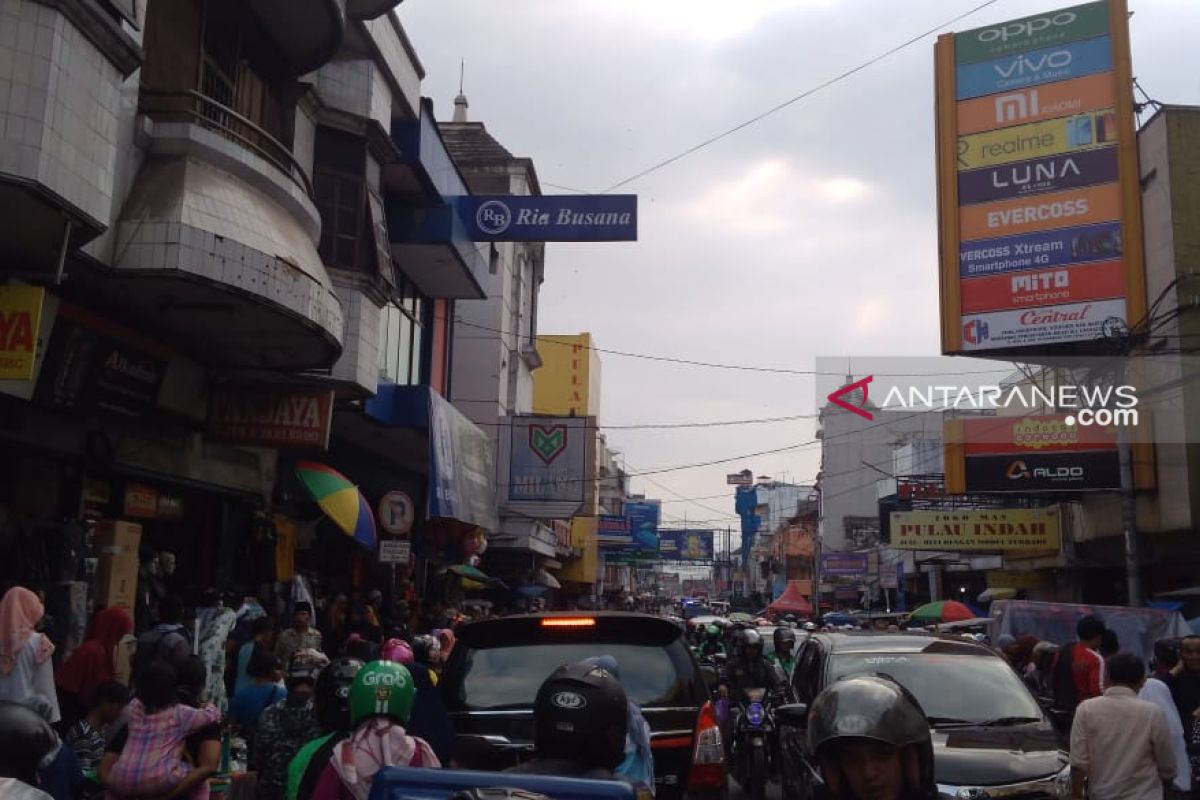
{"x": 462, "y": 459}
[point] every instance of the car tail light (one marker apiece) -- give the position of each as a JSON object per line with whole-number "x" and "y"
{"x": 569, "y": 622}
{"x": 707, "y": 772}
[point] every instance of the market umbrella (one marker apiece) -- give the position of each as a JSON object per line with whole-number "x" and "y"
{"x": 468, "y": 572}
{"x": 997, "y": 593}
{"x": 943, "y": 611}
{"x": 341, "y": 501}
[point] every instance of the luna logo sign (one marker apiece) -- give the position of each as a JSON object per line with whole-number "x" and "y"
{"x": 550, "y": 218}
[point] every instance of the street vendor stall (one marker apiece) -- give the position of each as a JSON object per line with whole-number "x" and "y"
{"x": 1137, "y": 629}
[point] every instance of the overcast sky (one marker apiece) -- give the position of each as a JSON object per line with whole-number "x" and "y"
{"x": 811, "y": 233}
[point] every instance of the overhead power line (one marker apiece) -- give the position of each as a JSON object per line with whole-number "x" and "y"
{"x": 542, "y": 339}
{"x": 793, "y": 100}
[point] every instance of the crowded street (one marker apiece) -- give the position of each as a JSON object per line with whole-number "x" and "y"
{"x": 581, "y": 400}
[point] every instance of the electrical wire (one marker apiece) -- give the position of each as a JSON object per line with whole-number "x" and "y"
{"x": 657, "y": 425}
{"x": 793, "y": 100}
{"x": 542, "y": 339}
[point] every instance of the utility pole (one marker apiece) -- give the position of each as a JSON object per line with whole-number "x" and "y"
{"x": 1133, "y": 558}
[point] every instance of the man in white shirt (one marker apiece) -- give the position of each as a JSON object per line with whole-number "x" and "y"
{"x": 1120, "y": 745}
{"x": 1157, "y": 692}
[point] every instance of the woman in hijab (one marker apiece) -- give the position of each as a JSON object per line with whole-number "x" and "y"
{"x": 445, "y": 638}
{"x": 215, "y": 622}
{"x": 25, "y": 667}
{"x": 92, "y": 664}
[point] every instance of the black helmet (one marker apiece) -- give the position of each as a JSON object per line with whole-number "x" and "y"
{"x": 332, "y": 693}
{"x": 872, "y": 708}
{"x": 25, "y": 740}
{"x": 580, "y": 714}
{"x": 751, "y": 639}
{"x": 425, "y": 648}
{"x": 784, "y": 636}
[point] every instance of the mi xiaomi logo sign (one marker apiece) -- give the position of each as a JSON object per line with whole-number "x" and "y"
{"x": 1016, "y": 107}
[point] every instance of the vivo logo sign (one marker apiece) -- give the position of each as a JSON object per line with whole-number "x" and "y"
{"x": 1041, "y": 281}
{"x": 1026, "y": 65}
{"x": 1023, "y": 29}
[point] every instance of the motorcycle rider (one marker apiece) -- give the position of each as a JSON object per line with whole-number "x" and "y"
{"x": 785, "y": 647}
{"x": 25, "y": 740}
{"x": 872, "y": 741}
{"x": 712, "y": 644}
{"x": 332, "y": 700}
{"x": 749, "y": 669}
{"x": 580, "y": 721}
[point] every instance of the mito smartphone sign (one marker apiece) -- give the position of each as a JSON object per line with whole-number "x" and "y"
{"x": 1038, "y": 198}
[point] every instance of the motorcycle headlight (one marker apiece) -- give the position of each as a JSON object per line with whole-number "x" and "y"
{"x": 756, "y": 714}
{"x": 755, "y": 695}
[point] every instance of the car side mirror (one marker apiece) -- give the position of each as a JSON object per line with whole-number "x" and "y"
{"x": 793, "y": 714}
{"x": 709, "y": 673}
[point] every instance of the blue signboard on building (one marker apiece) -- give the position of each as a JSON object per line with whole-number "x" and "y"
{"x": 1035, "y": 68}
{"x": 643, "y": 516}
{"x": 686, "y": 545}
{"x": 550, "y": 218}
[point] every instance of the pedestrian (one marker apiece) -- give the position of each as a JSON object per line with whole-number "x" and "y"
{"x": 287, "y": 725}
{"x": 1078, "y": 672}
{"x": 215, "y": 623}
{"x": 167, "y": 641}
{"x": 1110, "y": 645}
{"x": 92, "y": 664}
{"x": 301, "y": 636}
{"x": 335, "y": 630}
{"x": 59, "y": 773}
{"x": 1166, "y": 656}
{"x": 202, "y": 747}
{"x": 1184, "y": 683}
{"x": 262, "y": 638}
{"x": 1121, "y": 745}
{"x": 637, "y": 768}
{"x": 1155, "y": 691}
{"x": 332, "y": 704}
{"x": 152, "y": 760}
{"x": 25, "y": 667}
{"x": 264, "y": 691}
{"x": 430, "y": 719}
{"x": 86, "y": 736}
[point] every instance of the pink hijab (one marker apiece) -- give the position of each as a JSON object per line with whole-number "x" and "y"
{"x": 20, "y": 610}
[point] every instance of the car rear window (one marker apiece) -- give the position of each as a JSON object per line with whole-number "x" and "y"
{"x": 509, "y": 677}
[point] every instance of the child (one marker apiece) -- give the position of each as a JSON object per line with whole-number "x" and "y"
{"x": 86, "y": 736}
{"x": 152, "y": 761}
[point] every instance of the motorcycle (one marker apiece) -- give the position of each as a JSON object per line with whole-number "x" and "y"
{"x": 753, "y": 748}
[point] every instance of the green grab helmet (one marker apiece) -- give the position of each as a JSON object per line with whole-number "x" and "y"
{"x": 382, "y": 689}
{"x": 713, "y": 631}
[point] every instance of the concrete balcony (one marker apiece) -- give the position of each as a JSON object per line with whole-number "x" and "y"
{"x": 217, "y": 242}
{"x": 307, "y": 32}
{"x": 61, "y": 68}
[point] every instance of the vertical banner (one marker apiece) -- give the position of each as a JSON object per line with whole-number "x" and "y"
{"x": 1039, "y": 205}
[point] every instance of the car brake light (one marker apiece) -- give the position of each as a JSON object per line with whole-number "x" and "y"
{"x": 569, "y": 622}
{"x": 708, "y": 757}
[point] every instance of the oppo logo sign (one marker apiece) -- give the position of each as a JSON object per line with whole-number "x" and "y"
{"x": 1023, "y": 29}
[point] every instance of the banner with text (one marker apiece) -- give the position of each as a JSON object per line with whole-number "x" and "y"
{"x": 686, "y": 545}
{"x": 976, "y": 529}
{"x": 550, "y": 218}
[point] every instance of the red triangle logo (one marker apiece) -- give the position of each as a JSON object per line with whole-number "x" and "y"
{"x": 835, "y": 397}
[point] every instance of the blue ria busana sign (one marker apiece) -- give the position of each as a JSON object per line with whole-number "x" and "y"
{"x": 550, "y": 218}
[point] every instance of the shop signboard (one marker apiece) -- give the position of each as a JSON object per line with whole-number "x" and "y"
{"x": 1038, "y": 181}
{"x": 550, "y": 218}
{"x": 1038, "y": 433}
{"x": 686, "y": 545}
{"x": 743, "y": 478}
{"x": 612, "y": 531}
{"x": 852, "y": 566}
{"x": 462, "y": 466}
{"x": 1014, "y": 579}
{"x": 395, "y": 551}
{"x": 396, "y": 512}
{"x": 845, "y": 591}
{"x": 643, "y": 516}
{"x": 93, "y": 364}
{"x": 980, "y": 530}
{"x": 264, "y": 417}
{"x": 547, "y": 464}
{"x": 1089, "y": 470}
{"x": 141, "y": 501}
{"x": 20, "y": 322}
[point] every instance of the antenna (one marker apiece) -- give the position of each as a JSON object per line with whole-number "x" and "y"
{"x": 462, "y": 71}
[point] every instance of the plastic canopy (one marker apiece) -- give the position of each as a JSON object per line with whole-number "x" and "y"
{"x": 1137, "y": 629}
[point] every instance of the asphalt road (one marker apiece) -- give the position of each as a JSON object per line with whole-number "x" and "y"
{"x": 774, "y": 791}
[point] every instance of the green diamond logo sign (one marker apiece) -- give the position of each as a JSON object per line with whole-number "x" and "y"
{"x": 548, "y": 442}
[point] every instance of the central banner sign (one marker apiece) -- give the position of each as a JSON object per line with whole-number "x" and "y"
{"x": 1037, "y": 169}
{"x": 550, "y": 218}
{"x": 976, "y": 529}
{"x": 546, "y": 461}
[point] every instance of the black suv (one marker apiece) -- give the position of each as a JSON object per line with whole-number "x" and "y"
{"x": 497, "y": 666}
{"x": 990, "y": 737}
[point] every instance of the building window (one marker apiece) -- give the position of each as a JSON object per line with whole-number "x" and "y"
{"x": 402, "y": 337}
{"x": 339, "y": 188}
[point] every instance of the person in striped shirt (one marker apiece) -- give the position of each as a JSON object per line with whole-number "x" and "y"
{"x": 86, "y": 736}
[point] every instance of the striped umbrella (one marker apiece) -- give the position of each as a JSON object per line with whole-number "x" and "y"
{"x": 341, "y": 501}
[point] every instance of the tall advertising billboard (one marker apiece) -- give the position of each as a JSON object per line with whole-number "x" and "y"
{"x": 1038, "y": 197}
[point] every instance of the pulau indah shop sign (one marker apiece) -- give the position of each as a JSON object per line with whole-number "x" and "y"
{"x": 298, "y": 418}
